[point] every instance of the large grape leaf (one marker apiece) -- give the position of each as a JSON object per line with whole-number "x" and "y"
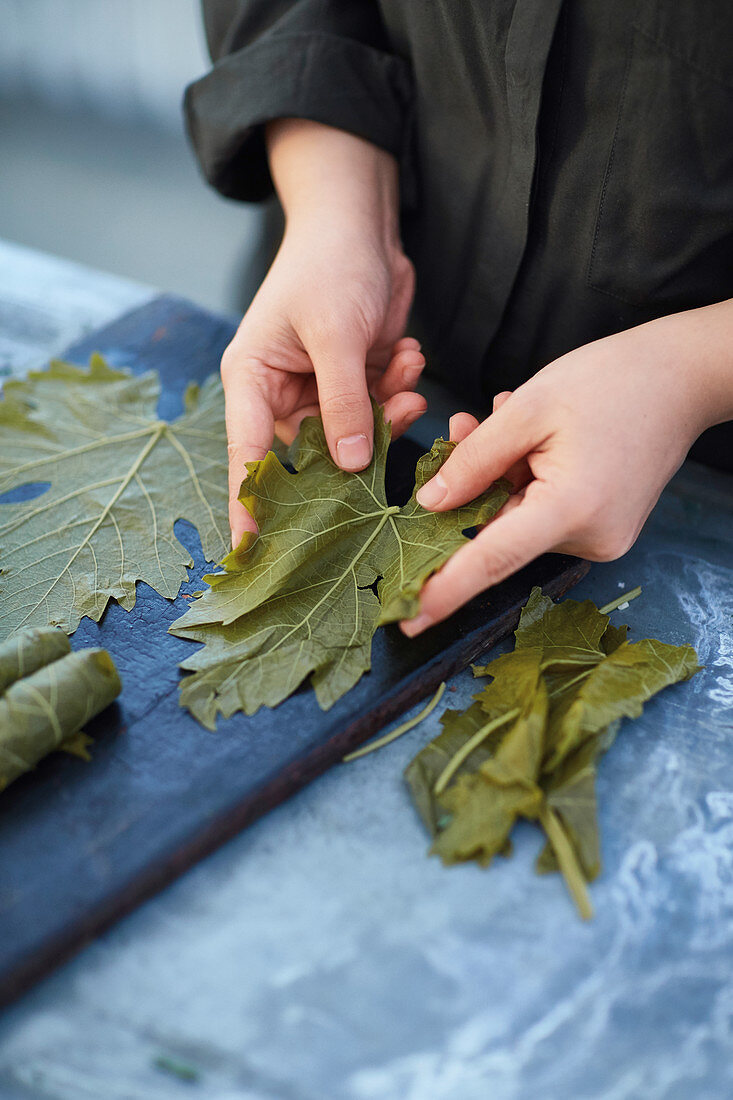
{"x": 118, "y": 479}
{"x": 302, "y": 599}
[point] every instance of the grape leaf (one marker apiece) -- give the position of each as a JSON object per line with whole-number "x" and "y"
{"x": 613, "y": 638}
{"x": 424, "y": 770}
{"x": 507, "y": 695}
{"x": 569, "y": 625}
{"x": 484, "y": 804}
{"x": 616, "y": 688}
{"x": 571, "y": 792}
{"x": 569, "y": 681}
{"x": 118, "y": 479}
{"x": 301, "y": 599}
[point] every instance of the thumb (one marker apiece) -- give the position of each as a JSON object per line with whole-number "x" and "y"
{"x": 340, "y": 367}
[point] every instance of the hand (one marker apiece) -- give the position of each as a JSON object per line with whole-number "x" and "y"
{"x": 589, "y": 443}
{"x": 325, "y": 330}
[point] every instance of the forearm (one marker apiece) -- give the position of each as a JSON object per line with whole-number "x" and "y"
{"x": 334, "y": 176}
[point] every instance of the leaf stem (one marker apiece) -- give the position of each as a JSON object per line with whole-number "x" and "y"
{"x": 573, "y": 680}
{"x": 182, "y": 1070}
{"x": 473, "y": 742}
{"x": 381, "y": 741}
{"x": 625, "y": 597}
{"x": 568, "y": 863}
{"x": 72, "y": 452}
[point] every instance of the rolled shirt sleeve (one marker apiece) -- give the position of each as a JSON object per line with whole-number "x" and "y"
{"x": 324, "y": 60}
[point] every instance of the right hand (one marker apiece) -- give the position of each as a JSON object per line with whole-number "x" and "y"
{"x": 324, "y": 331}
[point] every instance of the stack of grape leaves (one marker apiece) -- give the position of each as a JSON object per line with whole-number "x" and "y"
{"x": 529, "y": 743}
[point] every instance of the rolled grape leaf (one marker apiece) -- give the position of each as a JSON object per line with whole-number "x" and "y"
{"x": 302, "y": 599}
{"x": 77, "y": 745}
{"x": 28, "y": 650}
{"x": 42, "y": 712}
{"x": 117, "y": 479}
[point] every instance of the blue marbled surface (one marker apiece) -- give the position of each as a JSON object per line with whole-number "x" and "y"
{"x": 322, "y": 956}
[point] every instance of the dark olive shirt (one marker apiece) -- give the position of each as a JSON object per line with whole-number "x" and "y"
{"x": 566, "y": 167}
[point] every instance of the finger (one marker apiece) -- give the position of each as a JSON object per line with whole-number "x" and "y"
{"x": 407, "y": 342}
{"x": 380, "y": 355}
{"x": 250, "y": 430}
{"x": 287, "y": 428}
{"x": 509, "y": 505}
{"x": 501, "y": 440}
{"x": 402, "y": 373}
{"x": 343, "y": 397}
{"x": 519, "y": 474}
{"x": 517, "y": 536}
{"x": 402, "y": 410}
{"x": 460, "y": 425}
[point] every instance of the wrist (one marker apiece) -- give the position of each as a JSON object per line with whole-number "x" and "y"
{"x": 330, "y": 179}
{"x": 699, "y": 342}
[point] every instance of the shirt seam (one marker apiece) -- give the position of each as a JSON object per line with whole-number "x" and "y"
{"x": 604, "y": 189}
{"x": 668, "y": 48}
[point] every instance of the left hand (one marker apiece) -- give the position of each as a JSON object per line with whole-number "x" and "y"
{"x": 589, "y": 443}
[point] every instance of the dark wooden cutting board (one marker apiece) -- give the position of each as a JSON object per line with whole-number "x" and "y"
{"x": 82, "y": 844}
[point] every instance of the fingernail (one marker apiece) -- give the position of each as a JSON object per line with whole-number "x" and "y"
{"x": 411, "y": 374}
{"x": 413, "y": 416}
{"x": 416, "y": 625}
{"x": 354, "y": 452}
{"x": 431, "y": 494}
